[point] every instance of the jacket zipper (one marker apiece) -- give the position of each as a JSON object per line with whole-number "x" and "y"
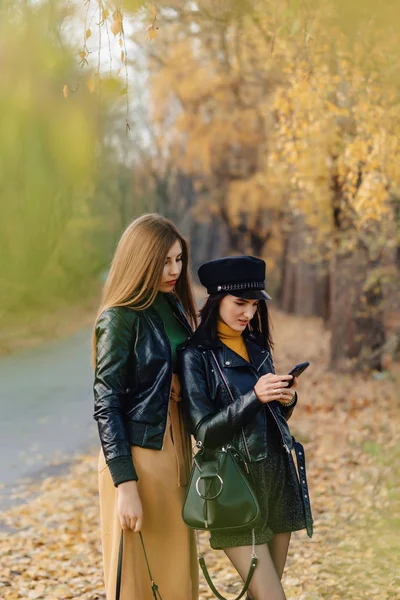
{"x": 273, "y": 414}
{"x": 259, "y": 367}
{"x": 233, "y": 400}
{"x": 171, "y": 374}
{"x": 280, "y": 430}
{"x": 247, "y": 449}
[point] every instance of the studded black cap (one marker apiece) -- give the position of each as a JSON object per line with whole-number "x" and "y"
{"x": 242, "y": 276}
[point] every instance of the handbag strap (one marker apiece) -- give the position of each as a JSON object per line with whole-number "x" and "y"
{"x": 154, "y": 586}
{"x": 232, "y": 399}
{"x": 119, "y": 570}
{"x": 206, "y": 574}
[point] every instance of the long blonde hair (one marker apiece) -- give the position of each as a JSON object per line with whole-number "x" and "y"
{"x": 137, "y": 267}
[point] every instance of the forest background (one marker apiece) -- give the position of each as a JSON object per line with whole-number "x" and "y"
{"x": 265, "y": 127}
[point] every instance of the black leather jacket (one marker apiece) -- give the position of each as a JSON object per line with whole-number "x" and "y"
{"x": 132, "y": 384}
{"x": 217, "y": 418}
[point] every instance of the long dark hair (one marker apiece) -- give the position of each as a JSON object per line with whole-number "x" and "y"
{"x": 259, "y": 325}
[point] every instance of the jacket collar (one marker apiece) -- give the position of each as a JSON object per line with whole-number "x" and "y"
{"x": 204, "y": 343}
{"x": 178, "y": 311}
{"x": 257, "y": 354}
{"x": 230, "y": 359}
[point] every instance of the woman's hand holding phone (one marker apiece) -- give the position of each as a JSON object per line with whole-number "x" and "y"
{"x": 279, "y": 387}
{"x": 275, "y": 387}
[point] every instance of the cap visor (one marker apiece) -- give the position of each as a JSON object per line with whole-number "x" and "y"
{"x": 252, "y": 295}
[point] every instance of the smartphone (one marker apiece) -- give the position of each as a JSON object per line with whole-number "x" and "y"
{"x": 296, "y": 371}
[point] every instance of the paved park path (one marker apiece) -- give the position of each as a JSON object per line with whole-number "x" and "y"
{"x": 46, "y": 410}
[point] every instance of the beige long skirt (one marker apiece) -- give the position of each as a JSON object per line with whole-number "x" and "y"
{"x": 170, "y": 544}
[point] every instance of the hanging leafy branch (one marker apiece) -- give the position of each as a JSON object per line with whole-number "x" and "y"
{"x": 110, "y": 16}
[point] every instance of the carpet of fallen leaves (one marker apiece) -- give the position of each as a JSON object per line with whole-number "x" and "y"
{"x": 50, "y": 544}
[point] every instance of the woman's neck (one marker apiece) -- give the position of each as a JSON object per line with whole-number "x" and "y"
{"x": 226, "y": 331}
{"x": 233, "y": 339}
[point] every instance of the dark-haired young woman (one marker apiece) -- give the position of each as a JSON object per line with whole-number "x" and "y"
{"x": 231, "y": 350}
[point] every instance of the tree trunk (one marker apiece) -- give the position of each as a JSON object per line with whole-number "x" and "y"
{"x": 304, "y": 288}
{"x": 246, "y": 238}
{"x": 357, "y": 315}
{"x": 392, "y": 288}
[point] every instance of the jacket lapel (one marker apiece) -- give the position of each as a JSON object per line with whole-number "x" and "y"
{"x": 231, "y": 359}
{"x": 257, "y": 355}
{"x": 179, "y": 312}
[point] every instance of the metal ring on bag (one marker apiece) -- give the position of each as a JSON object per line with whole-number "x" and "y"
{"x": 210, "y": 497}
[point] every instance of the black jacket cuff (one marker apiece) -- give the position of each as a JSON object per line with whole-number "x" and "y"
{"x": 288, "y": 410}
{"x": 122, "y": 469}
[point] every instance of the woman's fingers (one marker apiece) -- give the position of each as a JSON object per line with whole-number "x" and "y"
{"x": 128, "y": 520}
{"x": 129, "y": 505}
{"x": 280, "y": 390}
{"x": 273, "y": 387}
{"x": 133, "y": 523}
{"x": 138, "y": 525}
{"x": 276, "y": 380}
{"x": 285, "y": 377}
{"x": 280, "y": 385}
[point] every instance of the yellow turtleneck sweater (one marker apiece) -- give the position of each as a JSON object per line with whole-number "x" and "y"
{"x": 233, "y": 339}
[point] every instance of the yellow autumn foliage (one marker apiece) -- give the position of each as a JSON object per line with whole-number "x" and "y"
{"x": 272, "y": 120}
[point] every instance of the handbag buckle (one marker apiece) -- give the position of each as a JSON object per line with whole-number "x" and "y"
{"x": 209, "y": 477}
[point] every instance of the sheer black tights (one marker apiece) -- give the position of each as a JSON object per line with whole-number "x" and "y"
{"x": 266, "y": 582}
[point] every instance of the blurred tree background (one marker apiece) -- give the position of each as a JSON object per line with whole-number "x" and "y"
{"x": 66, "y": 192}
{"x": 285, "y": 116}
{"x": 259, "y": 127}
{"x": 269, "y": 127}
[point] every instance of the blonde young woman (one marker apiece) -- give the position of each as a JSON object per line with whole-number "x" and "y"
{"x": 147, "y": 311}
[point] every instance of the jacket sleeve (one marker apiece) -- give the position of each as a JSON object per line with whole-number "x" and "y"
{"x": 114, "y": 342}
{"x": 208, "y": 424}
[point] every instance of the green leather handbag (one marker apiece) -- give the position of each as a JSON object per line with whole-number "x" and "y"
{"x": 219, "y": 496}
